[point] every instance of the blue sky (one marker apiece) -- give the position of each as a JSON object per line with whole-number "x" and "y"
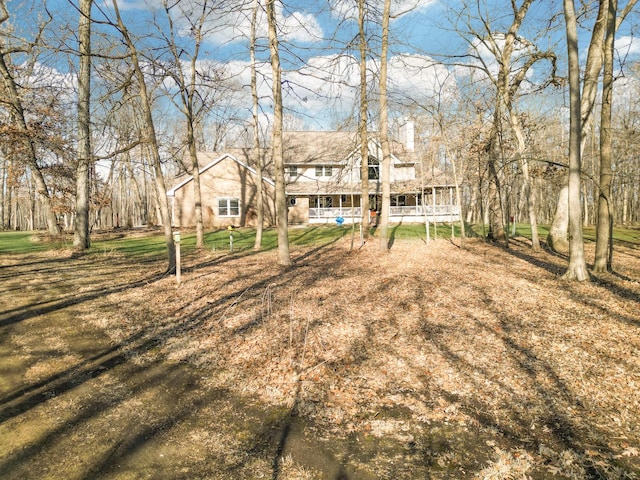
{"x": 314, "y": 36}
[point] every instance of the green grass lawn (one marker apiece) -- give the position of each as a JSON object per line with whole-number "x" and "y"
{"x": 152, "y": 246}
{"x": 25, "y": 242}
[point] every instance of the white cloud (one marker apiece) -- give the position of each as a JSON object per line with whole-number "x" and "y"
{"x": 627, "y": 46}
{"x": 349, "y": 8}
{"x": 405, "y": 6}
{"x": 132, "y": 4}
{"x": 302, "y": 27}
{"x": 50, "y": 79}
{"x": 328, "y": 85}
{"x": 412, "y": 79}
{"x": 324, "y": 83}
{"x": 231, "y": 23}
{"x": 626, "y": 91}
{"x": 419, "y": 78}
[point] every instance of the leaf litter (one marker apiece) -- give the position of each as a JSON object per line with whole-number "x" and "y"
{"x": 479, "y": 357}
{"x": 387, "y": 344}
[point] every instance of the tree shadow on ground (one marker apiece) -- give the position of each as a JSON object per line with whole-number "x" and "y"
{"x": 165, "y": 396}
{"x": 612, "y": 282}
{"x": 521, "y": 422}
{"x": 125, "y": 410}
{"x": 519, "y": 250}
{"x": 47, "y": 305}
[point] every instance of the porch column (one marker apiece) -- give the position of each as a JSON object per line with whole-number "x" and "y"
{"x": 433, "y": 191}
{"x": 450, "y": 204}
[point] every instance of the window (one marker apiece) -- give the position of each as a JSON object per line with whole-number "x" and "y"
{"x": 374, "y": 169}
{"x": 228, "y": 207}
{"x": 399, "y": 200}
{"x": 324, "y": 170}
{"x": 292, "y": 170}
{"x": 325, "y": 202}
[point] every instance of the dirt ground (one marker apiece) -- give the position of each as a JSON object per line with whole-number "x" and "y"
{"x": 433, "y": 361}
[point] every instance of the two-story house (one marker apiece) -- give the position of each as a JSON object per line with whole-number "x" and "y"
{"x": 323, "y": 183}
{"x": 324, "y": 180}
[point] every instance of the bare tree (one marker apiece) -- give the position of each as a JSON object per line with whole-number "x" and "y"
{"x": 385, "y": 174}
{"x": 23, "y": 131}
{"x": 282, "y": 212}
{"x": 577, "y": 269}
{"x": 192, "y": 102}
{"x": 604, "y": 230}
{"x": 81, "y": 239}
{"x": 257, "y": 157}
{"x": 363, "y": 123}
{"x": 507, "y": 86}
{"x": 150, "y": 137}
{"x": 595, "y": 56}
{"x": 557, "y": 238}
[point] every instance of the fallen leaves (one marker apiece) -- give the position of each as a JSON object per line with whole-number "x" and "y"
{"x": 472, "y": 336}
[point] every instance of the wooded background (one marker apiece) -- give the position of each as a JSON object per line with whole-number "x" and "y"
{"x": 102, "y": 99}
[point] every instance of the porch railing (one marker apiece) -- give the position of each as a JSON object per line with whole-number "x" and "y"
{"x": 414, "y": 211}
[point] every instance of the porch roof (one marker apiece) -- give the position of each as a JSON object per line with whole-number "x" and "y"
{"x": 344, "y": 188}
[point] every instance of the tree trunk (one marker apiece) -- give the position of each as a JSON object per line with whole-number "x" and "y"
{"x": 577, "y": 269}
{"x": 364, "y": 139}
{"x": 458, "y": 196}
{"x": 504, "y": 99}
{"x": 385, "y": 173}
{"x": 494, "y": 190}
{"x": 530, "y": 193}
{"x": 3, "y": 190}
{"x": 557, "y": 237}
{"x": 625, "y": 203}
{"x": 604, "y": 248}
{"x": 595, "y": 58}
{"x": 187, "y": 87}
{"x": 590, "y": 89}
{"x": 284, "y": 257}
{"x": 138, "y": 195}
{"x": 197, "y": 190}
{"x": 81, "y": 240}
{"x": 257, "y": 160}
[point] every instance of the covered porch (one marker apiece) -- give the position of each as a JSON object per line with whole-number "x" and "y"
{"x": 434, "y": 205}
{"x": 434, "y": 214}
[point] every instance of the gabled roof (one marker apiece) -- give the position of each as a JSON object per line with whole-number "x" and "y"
{"x": 332, "y": 148}
{"x": 317, "y": 148}
{"x": 214, "y": 158}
